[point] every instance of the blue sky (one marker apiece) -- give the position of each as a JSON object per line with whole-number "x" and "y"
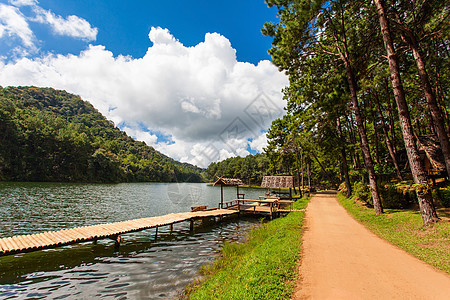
{"x": 190, "y": 78}
{"x": 124, "y": 25}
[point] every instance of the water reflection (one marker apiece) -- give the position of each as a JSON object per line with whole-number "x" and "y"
{"x": 142, "y": 267}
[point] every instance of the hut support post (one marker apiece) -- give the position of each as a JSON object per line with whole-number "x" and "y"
{"x": 221, "y": 196}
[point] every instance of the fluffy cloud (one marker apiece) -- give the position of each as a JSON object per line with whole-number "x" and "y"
{"x": 23, "y": 2}
{"x": 199, "y": 103}
{"x": 16, "y": 34}
{"x": 13, "y": 25}
{"x": 71, "y": 26}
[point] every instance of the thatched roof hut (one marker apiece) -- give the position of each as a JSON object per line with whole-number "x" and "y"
{"x": 229, "y": 181}
{"x": 278, "y": 182}
{"x": 434, "y": 159}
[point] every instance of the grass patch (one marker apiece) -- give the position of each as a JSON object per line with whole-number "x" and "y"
{"x": 404, "y": 228}
{"x": 264, "y": 267}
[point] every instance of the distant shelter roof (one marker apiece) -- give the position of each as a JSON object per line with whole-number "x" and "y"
{"x": 430, "y": 145}
{"x": 228, "y": 181}
{"x": 278, "y": 181}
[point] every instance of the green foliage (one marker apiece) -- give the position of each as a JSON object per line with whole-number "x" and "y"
{"x": 362, "y": 192}
{"x": 395, "y": 196}
{"x": 333, "y": 52}
{"x": 51, "y": 135}
{"x": 405, "y": 229}
{"x": 251, "y": 169}
{"x": 264, "y": 267}
{"x": 392, "y": 195}
{"x": 443, "y": 195}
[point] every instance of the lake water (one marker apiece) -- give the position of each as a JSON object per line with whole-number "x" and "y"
{"x": 142, "y": 267}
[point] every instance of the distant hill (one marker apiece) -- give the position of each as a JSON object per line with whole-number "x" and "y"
{"x": 51, "y": 135}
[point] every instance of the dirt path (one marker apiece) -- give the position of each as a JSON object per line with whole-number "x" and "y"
{"x": 341, "y": 259}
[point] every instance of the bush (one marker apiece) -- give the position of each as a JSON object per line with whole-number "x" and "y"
{"x": 343, "y": 189}
{"x": 443, "y": 195}
{"x": 393, "y": 196}
{"x": 362, "y": 191}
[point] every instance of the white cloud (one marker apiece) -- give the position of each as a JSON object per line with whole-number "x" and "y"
{"x": 259, "y": 143}
{"x": 23, "y": 2}
{"x": 71, "y": 26}
{"x": 206, "y": 102}
{"x": 19, "y": 39}
{"x": 147, "y": 137}
{"x": 14, "y": 25}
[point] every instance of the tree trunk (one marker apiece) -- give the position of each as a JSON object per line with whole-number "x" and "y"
{"x": 389, "y": 143}
{"x": 427, "y": 209}
{"x": 391, "y": 117}
{"x": 344, "y": 160}
{"x": 298, "y": 173}
{"x": 309, "y": 175}
{"x": 363, "y": 137}
{"x": 301, "y": 163}
{"x": 431, "y": 101}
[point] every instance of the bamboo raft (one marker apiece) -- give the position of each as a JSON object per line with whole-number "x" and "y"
{"x": 52, "y": 239}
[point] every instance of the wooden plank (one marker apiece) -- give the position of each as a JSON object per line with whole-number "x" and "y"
{"x": 3, "y": 246}
{"x": 28, "y": 242}
{"x": 52, "y": 238}
{"x": 19, "y": 242}
{"x": 37, "y": 243}
{"x": 8, "y": 244}
{"x": 59, "y": 239}
{"x": 14, "y": 245}
{"x": 44, "y": 237}
{"x": 37, "y": 237}
{"x": 61, "y": 236}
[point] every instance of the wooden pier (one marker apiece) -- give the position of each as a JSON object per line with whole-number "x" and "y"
{"x": 52, "y": 239}
{"x": 270, "y": 206}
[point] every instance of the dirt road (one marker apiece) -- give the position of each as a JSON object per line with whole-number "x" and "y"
{"x": 341, "y": 259}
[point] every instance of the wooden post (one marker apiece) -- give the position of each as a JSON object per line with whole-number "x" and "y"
{"x": 117, "y": 240}
{"x": 94, "y": 242}
{"x": 221, "y": 195}
{"x": 237, "y": 191}
{"x": 171, "y": 228}
{"x": 156, "y": 233}
{"x": 191, "y": 227}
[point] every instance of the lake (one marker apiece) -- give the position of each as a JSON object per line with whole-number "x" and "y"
{"x": 142, "y": 267}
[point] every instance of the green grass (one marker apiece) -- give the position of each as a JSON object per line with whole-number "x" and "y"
{"x": 264, "y": 267}
{"x": 404, "y": 228}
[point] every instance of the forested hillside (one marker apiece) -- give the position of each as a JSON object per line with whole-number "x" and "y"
{"x": 51, "y": 135}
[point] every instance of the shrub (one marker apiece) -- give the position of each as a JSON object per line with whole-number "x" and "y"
{"x": 393, "y": 196}
{"x": 343, "y": 189}
{"x": 362, "y": 191}
{"x": 443, "y": 195}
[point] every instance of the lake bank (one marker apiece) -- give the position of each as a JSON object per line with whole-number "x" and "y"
{"x": 264, "y": 267}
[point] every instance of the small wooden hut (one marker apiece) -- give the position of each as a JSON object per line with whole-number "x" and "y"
{"x": 229, "y": 182}
{"x": 270, "y": 182}
{"x": 432, "y": 156}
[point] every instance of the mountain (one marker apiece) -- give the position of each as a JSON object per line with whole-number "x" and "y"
{"x": 52, "y": 135}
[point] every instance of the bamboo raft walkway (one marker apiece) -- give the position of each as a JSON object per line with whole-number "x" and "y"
{"x": 52, "y": 239}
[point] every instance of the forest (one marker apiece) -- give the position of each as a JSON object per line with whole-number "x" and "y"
{"x": 51, "y": 135}
{"x": 368, "y": 81}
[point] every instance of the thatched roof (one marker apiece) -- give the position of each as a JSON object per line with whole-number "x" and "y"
{"x": 430, "y": 145}
{"x": 278, "y": 181}
{"x": 229, "y": 181}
